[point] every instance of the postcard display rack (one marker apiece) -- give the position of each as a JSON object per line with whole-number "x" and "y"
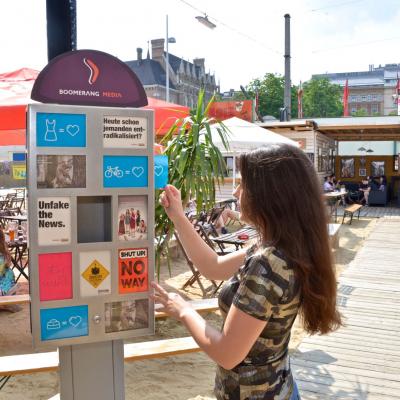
{"x": 91, "y": 208}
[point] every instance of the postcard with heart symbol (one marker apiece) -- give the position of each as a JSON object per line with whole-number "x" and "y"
{"x": 60, "y": 130}
{"x": 64, "y": 322}
{"x": 125, "y": 171}
{"x": 160, "y": 171}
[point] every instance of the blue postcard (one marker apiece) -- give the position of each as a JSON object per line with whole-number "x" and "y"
{"x": 160, "y": 171}
{"x": 60, "y": 130}
{"x": 64, "y": 322}
{"x": 125, "y": 171}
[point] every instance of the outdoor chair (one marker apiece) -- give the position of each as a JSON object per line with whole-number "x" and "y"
{"x": 195, "y": 277}
{"x": 208, "y": 220}
{"x": 17, "y": 203}
{"x": 204, "y": 230}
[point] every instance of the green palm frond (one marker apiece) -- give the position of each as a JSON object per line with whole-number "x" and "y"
{"x": 195, "y": 165}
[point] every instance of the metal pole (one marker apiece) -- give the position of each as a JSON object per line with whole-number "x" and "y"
{"x": 167, "y": 68}
{"x": 287, "y": 93}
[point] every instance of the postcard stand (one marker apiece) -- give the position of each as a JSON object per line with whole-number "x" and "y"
{"x": 91, "y": 213}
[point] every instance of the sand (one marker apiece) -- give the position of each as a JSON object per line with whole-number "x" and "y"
{"x": 184, "y": 377}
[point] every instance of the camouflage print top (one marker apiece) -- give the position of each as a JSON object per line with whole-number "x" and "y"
{"x": 266, "y": 289}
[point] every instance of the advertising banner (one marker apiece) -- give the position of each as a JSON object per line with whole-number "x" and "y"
{"x": 242, "y": 109}
{"x": 19, "y": 172}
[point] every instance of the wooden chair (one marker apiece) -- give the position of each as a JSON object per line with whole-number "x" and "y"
{"x": 195, "y": 277}
{"x": 17, "y": 203}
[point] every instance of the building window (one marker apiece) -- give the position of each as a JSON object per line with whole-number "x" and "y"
{"x": 364, "y": 98}
{"x": 375, "y": 108}
{"x": 358, "y": 99}
{"x": 369, "y": 97}
{"x": 352, "y": 99}
{"x": 353, "y": 109}
{"x": 374, "y": 97}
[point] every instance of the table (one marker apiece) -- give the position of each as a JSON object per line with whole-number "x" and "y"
{"x": 232, "y": 238}
{"x": 19, "y": 256}
{"x": 334, "y": 197}
{"x": 226, "y": 202}
{"x": 16, "y": 218}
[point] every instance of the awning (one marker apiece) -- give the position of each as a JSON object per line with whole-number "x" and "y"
{"x": 15, "y": 92}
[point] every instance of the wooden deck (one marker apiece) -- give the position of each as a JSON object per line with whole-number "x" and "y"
{"x": 362, "y": 359}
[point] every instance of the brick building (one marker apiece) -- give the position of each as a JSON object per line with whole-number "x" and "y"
{"x": 371, "y": 90}
{"x": 185, "y": 78}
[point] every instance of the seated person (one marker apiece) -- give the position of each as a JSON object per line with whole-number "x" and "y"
{"x": 226, "y": 215}
{"x": 335, "y": 183}
{"x": 365, "y": 188}
{"x": 382, "y": 183}
{"x": 372, "y": 182}
{"x": 328, "y": 184}
{"x": 7, "y": 278}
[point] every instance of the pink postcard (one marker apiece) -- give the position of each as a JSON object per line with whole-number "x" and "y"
{"x": 55, "y": 276}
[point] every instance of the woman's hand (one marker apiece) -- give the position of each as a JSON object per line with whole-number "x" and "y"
{"x": 171, "y": 200}
{"x": 172, "y": 303}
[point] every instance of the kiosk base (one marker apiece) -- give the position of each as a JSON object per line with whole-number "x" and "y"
{"x": 92, "y": 371}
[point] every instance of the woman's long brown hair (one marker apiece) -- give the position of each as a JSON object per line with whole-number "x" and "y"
{"x": 282, "y": 197}
{"x": 3, "y": 247}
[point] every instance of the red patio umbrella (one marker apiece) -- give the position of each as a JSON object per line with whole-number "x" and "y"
{"x": 15, "y": 92}
{"x": 15, "y": 89}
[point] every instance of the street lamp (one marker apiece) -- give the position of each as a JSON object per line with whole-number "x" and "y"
{"x": 168, "y": 40}
{"x": 205, "y": 21}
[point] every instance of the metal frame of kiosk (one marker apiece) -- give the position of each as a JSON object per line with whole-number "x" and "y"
{"x": 79, "y": 182}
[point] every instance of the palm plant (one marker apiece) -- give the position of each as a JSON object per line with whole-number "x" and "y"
{"x": 195, "y": 165}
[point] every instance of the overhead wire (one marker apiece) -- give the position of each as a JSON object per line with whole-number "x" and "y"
{"x": 355, "y": 44}
{"x": 336, "y": 5}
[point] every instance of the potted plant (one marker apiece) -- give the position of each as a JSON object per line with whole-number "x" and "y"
{"x": 195, "y": 165}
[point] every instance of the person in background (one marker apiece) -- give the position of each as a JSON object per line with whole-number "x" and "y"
{"x": 288, "y": 272}
{"x": 382, "y": 183}
{"x": 335, "y": 183}
{"x": 373, "y": 183}
{"x": 226, "y": 215}
{"x": 7, "y": 279}
{"x": 328, "y": 184}
{"x": 365, "y": 188}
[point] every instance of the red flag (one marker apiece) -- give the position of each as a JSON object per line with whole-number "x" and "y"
{"x": 300, "y": 102}
{"x": 398, "y": 85}
{"x": 346, "y": 99}
{"x": 257, "y": 101}
{"x": 398, "y": 94}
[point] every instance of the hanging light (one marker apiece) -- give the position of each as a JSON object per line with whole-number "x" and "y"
{"x": 205, "y": 21}
{"x": 369, "y": 151}
{"x": 362, "y": 148}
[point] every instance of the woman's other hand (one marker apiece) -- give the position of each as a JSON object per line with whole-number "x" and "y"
{"x": 172, "y": 303}
{"x": 171, "y": 200}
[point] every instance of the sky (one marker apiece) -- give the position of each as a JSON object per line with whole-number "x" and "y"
{"x": 248, "y": 42}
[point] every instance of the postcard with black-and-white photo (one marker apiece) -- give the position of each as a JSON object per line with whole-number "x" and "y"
{"x": 61, "y": 171}
{"x": 126, "y": 315}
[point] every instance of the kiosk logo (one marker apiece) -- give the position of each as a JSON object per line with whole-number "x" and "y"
{"x": 94, "y": 70}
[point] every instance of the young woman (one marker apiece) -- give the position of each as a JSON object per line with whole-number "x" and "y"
{"x": 7, "y": 278}
{"x": 288, "y": 272}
